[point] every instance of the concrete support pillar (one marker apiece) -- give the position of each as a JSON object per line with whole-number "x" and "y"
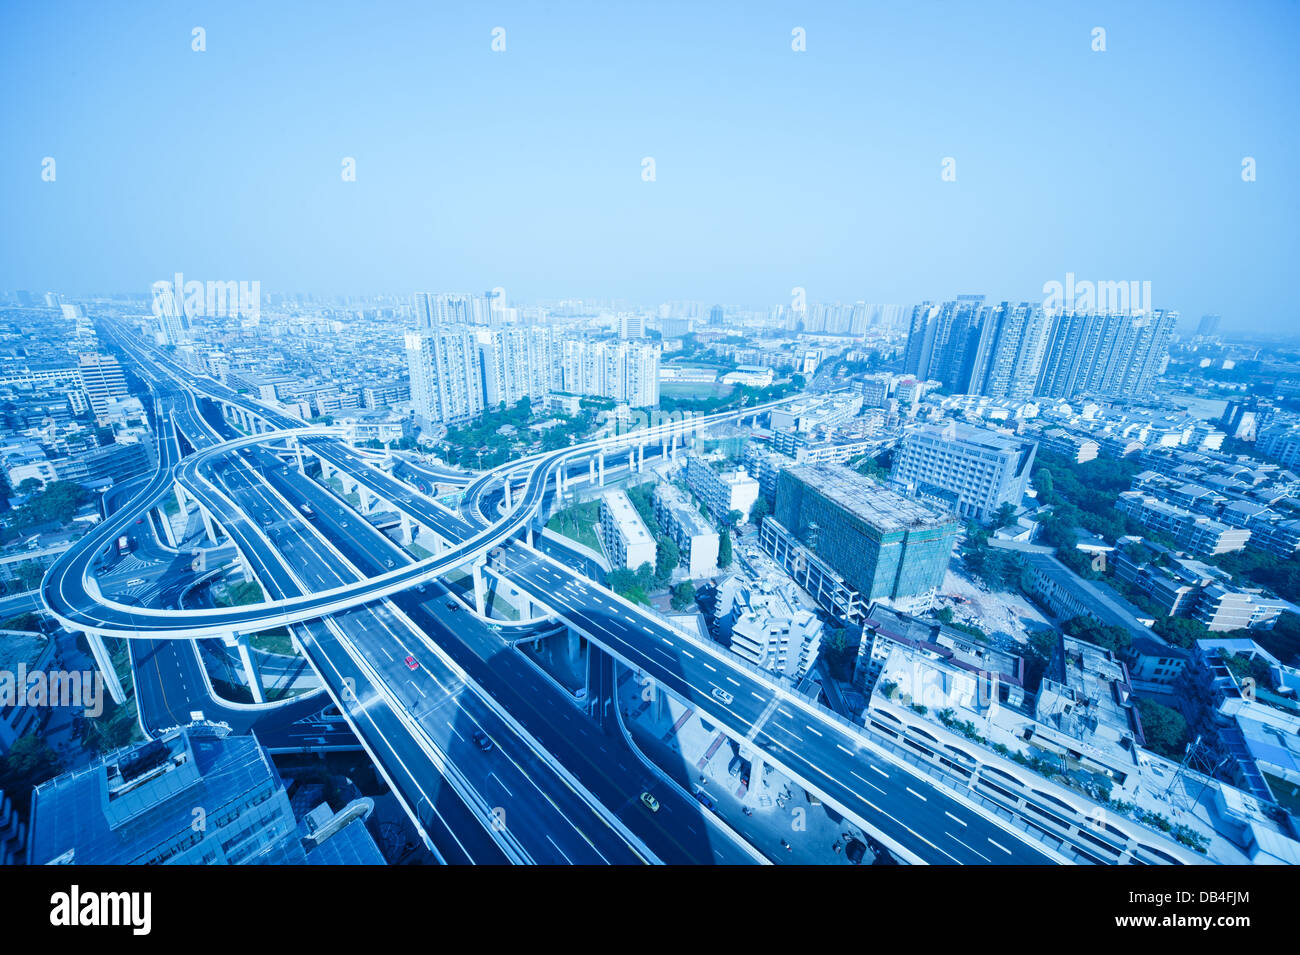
{"x": 182, "y": 499}
{"x": 524, "y": 603}
{"x": 366, "y": 498}
{"x": 559, "y": 485}
{"x": 756, "y": 769}
{"x": 591, "y": 471}
{"x": 505, "y": 485}
{"x": 480, "y": 591}
{"x": 528, "y": 533}
{"x": 297, "y": 446}
{"x": 326, "y": 470}
{"x": 250, "y": 666}
{"x": 209, "y": 526}
{"x": 105, "y": 663}
{"x": 600, "y": 466}
{"x": 640, "y": 458}
{"x": 169, "y": 535}
{"x": 407, "y": 538}
{"x": 574, "y": 645}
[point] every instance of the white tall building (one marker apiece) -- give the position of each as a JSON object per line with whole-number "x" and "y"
{"x": 627, "y": 371}
{"x": 446, "y": 377}
{"x": 516, "y": 362}
{"x": 433, "y": 310}
{"x": 170, "y": 312}
{"x": 102, "y": 381}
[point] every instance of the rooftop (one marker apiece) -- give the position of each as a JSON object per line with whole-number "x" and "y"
{"x": 883, "y": 508}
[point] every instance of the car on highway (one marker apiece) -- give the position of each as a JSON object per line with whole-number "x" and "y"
{"x": 650, "y": 802}
{"x": 705, "y": 799}
{"x": 483, "y": 741}
{"x": 267, "y": 522}
{"x": 412, "y": 663}
{"x": 452, "y": 605}
{"x": 721, "y": 695}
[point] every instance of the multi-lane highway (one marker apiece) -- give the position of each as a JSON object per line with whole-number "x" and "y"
{"x": 438, "y": 695}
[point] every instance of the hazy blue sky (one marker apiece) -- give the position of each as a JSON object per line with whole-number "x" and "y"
{"x": 774, "y": 168}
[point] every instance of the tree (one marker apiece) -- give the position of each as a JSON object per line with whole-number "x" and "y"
{"x": 840, "y": 652}
{"x": 759, "y": 511}
{"x": 734, "y": 518}
{"x": 667, "y": 557}
{"x": 31, "y": 485}
{"x": 1181, "y": 631}
{"x": 683, "y": 595}
{"x": 1108, "y": 636}
{"x": 1165, "y": 729}
{"x": 29, "y": 762}
{"x": 724, "y": 550}
{"x": 1046, "y": 486}
{"x": 1006, "y": 515}
{"x": 30, "y": 574}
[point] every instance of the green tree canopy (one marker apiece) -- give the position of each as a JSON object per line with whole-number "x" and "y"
{"x": 1165, "y": 729}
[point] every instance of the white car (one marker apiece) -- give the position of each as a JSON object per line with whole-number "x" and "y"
{"x": 721, "y": 695}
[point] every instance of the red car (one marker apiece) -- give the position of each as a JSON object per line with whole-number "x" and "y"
{"x": 412, "y": 663}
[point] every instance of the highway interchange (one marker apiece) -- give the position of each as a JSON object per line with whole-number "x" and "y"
{"x": 492, "y": 760}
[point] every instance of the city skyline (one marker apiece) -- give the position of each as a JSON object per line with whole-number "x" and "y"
{"x": 820, "y": 169}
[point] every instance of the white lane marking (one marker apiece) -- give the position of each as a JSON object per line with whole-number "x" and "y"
{"x": 709, "y": 668}
{"x": 1003, "y": 848}
{"x": 559, "y": 850}
{"x": 732, "y": 682}
{"x": 868, "y": 782}
{"x": 493, "y": 775}
{"x": 960, "y": 822}
{"x": 813, "y": 729}
{"x": 843, "y": 748}
{"x": 876, "y": 768}
{"x": 916, "y": 794}
{"x": 971, "y": 848}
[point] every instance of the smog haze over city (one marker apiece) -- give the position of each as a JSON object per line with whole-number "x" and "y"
{"x": 521, "y": 167}
{"x": 717, "y": 434}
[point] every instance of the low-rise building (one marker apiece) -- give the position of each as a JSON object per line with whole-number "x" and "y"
{"x": 721, "y": 492}
{"x": 977, "y": 469}
{"x": 697, "y": 541}
{"x": 765, "y": 623}
{"x": 1195, "y": 532}
{"x": 624, "y": 535}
